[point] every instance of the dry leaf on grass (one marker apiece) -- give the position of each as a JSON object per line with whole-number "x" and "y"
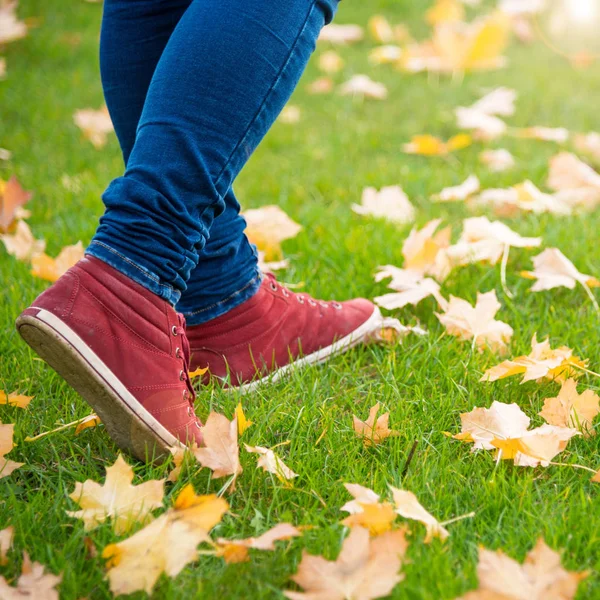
{"x": 421, "y": 249}
{"x": 268, "y": 227}
{"x": 125, "y": 504}
{"x": 95, "y": 125}
{"x": 364, "y": 87}
{"x": 376, "y": 517}
{"x": 6, "y": 541}
{"x": 588, "y": 143}
{"x": 270, "y": 462}
{"x": 88, "y": 422}
{"x": 409, "y": 507}
{"x": 389, "y": 330}
{"x": 236, "y": 551}
{"x": 540, "y": 577}
{"x": 4, "y": 153}
{"x": 365, "y": 569}
{"x": 380, "y": 29}
{"x": 570, "y": 409}
{"x": 15, "y": 399}
{"x": 596, "y": 477}
{"x": 411, "y": 287}
{"x": 322, "y": 85}
{"x": 50, "y": 269}
{"x": 341, "y": 34}
{"x": 11, "y": 28}
{"x": 290, "y": 114}
{"x": 33, "y": 583}
{"x": 497, "y": 160}
{"x": 166, "y": 545}
{"x": 22, "y": 245}
{"x": 545, "y": 134}
{"x": 385, "y": 55}
{"x": 389, "y": 203}
{"x": 221, "y": 453}
{"x": 331, "y": 62}
{"x": 362, "y": 495}
{"x": 477, "y": 322}
{"x": 444, "y": 11}
{"x": 543, "y": 362}
{"x": 242, "y": 422}
{"x": 7, "y": 466}
{"x": 375, "y": 429}
{"x": 483, "y": 115}
{"x": 576, "y": 184}
{"x": 12, "y": 199}
{"x": 460, "y": 192}
{"x": 429, "y": 145}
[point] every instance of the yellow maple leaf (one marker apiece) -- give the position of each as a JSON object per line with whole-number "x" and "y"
{"x": 444, "y": 11}
{"x": 409, "y": 507}
{"x": 7, "y": 466}
{"x": 95, "y": 125}
{"x": 51, "y": 269}
{"x": 88, "y": 422}
{"x": 32, "y": 583}
{"x": 373, "y": 431}
{"x": 242, "y": 422}
{"x": 6, "y": 540}
{"x": 15, "y": 399}
{"x": 270, "y": 462}
{"x": 430, "y": 145}
{"x": 117, "y": 499}
{"x": 376, "y": 517}
{"x": 380, "y": 29}
{"x": 22, "y": 245}
{"x": 268, "y": 227}
{"x": 12, "y": 199}
{"x": 596, "y": 477}
{"x": 198, "y": 372}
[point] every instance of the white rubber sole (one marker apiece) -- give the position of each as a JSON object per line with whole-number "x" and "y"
{"x": 128, "y": 423}
{"x": 362, "y": 333}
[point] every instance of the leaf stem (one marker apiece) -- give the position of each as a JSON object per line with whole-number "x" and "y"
{"x": 460, "y": 518}
{"x": 503, "y": 265}
{"x": 45, "y": 433}
{"x": 591, "y": 296}
{"x": 557, "y": 464}
{"x": 576, "y": 366}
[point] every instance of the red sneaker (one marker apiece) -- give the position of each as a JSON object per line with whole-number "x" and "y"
{"x": 124, "y": 350}
{"x": 275, "y": 331}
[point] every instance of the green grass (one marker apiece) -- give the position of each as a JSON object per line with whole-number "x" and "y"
{"x": 315, "y": 170}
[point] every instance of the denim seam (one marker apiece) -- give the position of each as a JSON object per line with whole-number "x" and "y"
{"x": 147, "y": 274}
{"x": 254, "y": 280}
{"x": 268, "y": 94}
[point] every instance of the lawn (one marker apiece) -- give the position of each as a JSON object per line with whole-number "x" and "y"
{"x": 315, "y": 170}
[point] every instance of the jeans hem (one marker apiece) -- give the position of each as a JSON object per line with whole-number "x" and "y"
{"x": 137, "y": 273}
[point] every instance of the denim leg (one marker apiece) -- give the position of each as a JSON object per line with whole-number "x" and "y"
{"x": 225, "y": 74}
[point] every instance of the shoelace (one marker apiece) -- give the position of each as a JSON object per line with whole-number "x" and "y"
{"x": 185, "y": 355}
{"x": 275, "y": 286}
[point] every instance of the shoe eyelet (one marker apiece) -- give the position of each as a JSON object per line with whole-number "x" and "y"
{"x": 177, "y": 353}
{"x": 198, "y": 424}
{"x": 300, "y": 299}
{"x": 190, "y": 413}
{"x": 337, "y": 305}
{"x": 185, "y": 394}
{"x": 273, "y": 287}
{"x": 285, "y": 293}
{"x": 312, "y": 302}
{"x": 174, "y": 330}
{"x": 181, "y": 375}
{"x": 323, "y": 304}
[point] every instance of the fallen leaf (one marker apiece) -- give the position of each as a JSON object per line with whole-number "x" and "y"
{"x": 5, "y": 154}
{"x": 95, "y": 125}
{"x": 409, "y": 507}
{"x": 385, "y": 55}
{"x": 15, "y": 399}
{"x": 7, "y": 466}
{"x": 6, "y": 540}
{"x": 178, "y": 453}
{"x": 444, "y": 11}
{"x": 575, "y": 183}
{"x": 460, "y": 192}
{"x": 11, "y": 28}
{"x": 362, "y": 495}
{"x": 570, "y": 409}
{"x": 543, "y": 362}
{"x": 376, "y": 517}
{"x": 429, "y": 145}
{"x": 341, "y": 34}
{"x": 271, "y": 463}
{"x": 588, "y": 143}
{"x": 12, "y": 199}
{"x": 198, "y": 372}
{"x": 389, "y": 203}
{"x": 545, "y": 134}
{"x": 363, "y": 86}
{"x": 521, "y": 7}
{"x": 389, "y": 330}
{"x": 88, "y": 422}
{"x": 497, "y": 160}
{"x": 596, "y": 477}
{"x": 485, "y": 127}
{"x": 267, "y": 227}
{"x": 125, "y": 504}
{"x": 322, "y": 85}
{"x": 221, "y": 453}
{"x": 500, "y": 101}
{"x": 373, "y": 431}
{"x": 271, "y": 266}
{"x": 365, "y": 569}
{"x": 380, "y": 29}
{"x": 553, "y": 269}
{"x": 290, "y": 114}
{"x": 242, "y": 422}
{"x": 541, "y": 577}
{"x": 236, "y": 551}
{"x": 22, "y": 245}
{"x": 411, "y": 288}
{"x": 478, "y": 229}
{"x": 166, "y": 545}
{"x": 477, "y": 323}
{"x": 32, "y": 583}
{"x": 331, "y": 62}
{"x": 51, "y": 269}
{"x": 422, "y": 247}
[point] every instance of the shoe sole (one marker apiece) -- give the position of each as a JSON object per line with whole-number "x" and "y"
{"x": 354, "y": 338}
{"x": 127, "y": 422}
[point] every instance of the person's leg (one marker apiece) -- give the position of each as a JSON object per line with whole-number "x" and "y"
{"x": 129, "y": 54}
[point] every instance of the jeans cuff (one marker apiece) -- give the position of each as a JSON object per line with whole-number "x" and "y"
{"x": 134, "y": 271}
{"x": 202, "y": 315}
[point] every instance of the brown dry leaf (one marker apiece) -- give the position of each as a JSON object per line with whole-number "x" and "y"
{"x": 242, "y": 422}
{"x": 497, "y": 160}
{"x": 117, "y": 499}
{"x": 271, "y": 463}
{"x": 380, "y": 29}
{"x": 15, "y": 399}
{"x": 588, "y": 143}
{"x": 364, "y": 87}
{"x": 376, "y": 517}
{"x": 389, "y": 203}
{"x": 362, "y": 495}
{"x": 540, "y": 577}
{"x": 373, "y": 431}
{"x": 411, "y": 287}
{"x": 559, "y": 135}
{"x": 389, "y": 330}
{"x": 12, "y": 199}
{"x": 422, "y": 247}
{"x": 290, "y": 115}
{"x": 95, "y": 125}
{"x": 556, "y": 364}
{"x": 32, "y": 583}
{"x": 596, "y": 477}
{"x": 6, "y": 540}
{"x": 51, "y": 269}
{"x": 11, "y": 28}
{"x": 553, "y": 269}
{"x": 477, "y": 323}
{"x": 570, "y": 409}
{"x": 460, "y": 192}
{"x": 341, "y": 34}
{"x": 88, "y": 422}
{"x": 322, "y": 85}
{"x": 22, "y": 245}
{"x": 445, "y": 11}
{"x": 268, "y": 227}
{"x": 7, "y": 466}
{"x": 331, "y": 62}
{"x": 409, "y": 507}
{"x": 166, "y": 545}
{"x": 221, "y": 453}
{"x": 236, "y": 551}
{"x": 365, "y": 569}
{"x": 429, "y": 145}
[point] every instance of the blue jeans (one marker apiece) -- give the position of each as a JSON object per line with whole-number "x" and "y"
{"x": 192, "y": 87}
